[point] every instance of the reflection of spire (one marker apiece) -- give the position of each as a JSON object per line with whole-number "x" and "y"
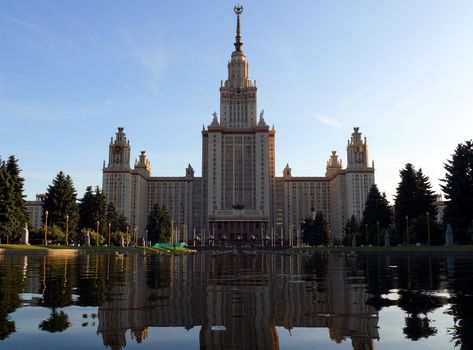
{"x": 238, "y": 44}
{"x": 139, "y": 334}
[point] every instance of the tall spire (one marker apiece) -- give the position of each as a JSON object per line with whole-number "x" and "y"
{"x": 238, "y": 9}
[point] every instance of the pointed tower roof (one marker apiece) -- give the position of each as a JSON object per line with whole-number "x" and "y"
{"x": 238, "y": 9}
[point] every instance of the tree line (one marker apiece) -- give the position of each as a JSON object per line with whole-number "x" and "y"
{"x": 413, "y": 217}
{"x": 66, "y": 219}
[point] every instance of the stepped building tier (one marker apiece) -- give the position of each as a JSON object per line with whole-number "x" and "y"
{"x": 239, "y": 198}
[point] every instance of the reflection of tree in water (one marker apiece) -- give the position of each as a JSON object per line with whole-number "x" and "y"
{"x": 417, "y": 277}
{"x": 11, "y": 284}
{"x": 413, "y": 275}
{"x": 461, "y": 289}
{"x": 57, "y": 293}
{"x": 415, "y": 303}
{"x": 97, "y": 274}
{"x": 379, "y": 279}
{"x": 418, "y": 327}
{"x": 57, "y": 290}
{"x": 57, "y": 322}
{"x": 316, "y": 269}
{"x": 158, "y": 273}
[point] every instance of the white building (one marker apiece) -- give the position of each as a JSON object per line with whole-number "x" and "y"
{"x": 238, "y": 196}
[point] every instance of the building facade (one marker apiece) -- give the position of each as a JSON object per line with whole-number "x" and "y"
{"x": 35, "y": 210}
{"x": 239, "y": 197}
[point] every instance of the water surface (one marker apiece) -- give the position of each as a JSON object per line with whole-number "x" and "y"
{"x": 237, "y": 301}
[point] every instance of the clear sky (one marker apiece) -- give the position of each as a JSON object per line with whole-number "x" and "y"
{"x": 71, "y": 72}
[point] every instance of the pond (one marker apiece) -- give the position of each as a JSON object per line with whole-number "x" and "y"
{"x": 246, "y": 300}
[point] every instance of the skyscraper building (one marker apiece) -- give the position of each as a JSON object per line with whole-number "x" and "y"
{"x": 239, "y": 197}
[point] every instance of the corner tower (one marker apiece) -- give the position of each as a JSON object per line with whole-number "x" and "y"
{"x": 116, "y": 180}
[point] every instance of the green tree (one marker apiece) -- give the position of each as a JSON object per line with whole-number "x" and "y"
{"x": 6, "y": 204}
{"x": 352, "y": 227}
{"x": 92, "y": 209}
{"x": 87, "y": 217}
{"x": 315, "y": 230}
{"x": 56, "y": 234}
{"x": 458, "y": 188}
{"x": 95, "y": 239}
{"x": 20, "y": 213}
{"x": 118, "y": 221}
{"x": 159, "y": 224}
{"x": 61, "y": 200}
{"x": 376, "y": 216}
{"x": 13, "y": 212}
{"x": 414, "y": 200}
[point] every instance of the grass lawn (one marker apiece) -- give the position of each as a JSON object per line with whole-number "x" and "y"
{"x": 22, "y": 247}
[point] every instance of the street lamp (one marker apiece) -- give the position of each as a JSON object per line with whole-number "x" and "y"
{"x": 377, "y": 228}
{"x": 46, "y": 227}
{"x": 109, "y": 229}
{"x": 67, "y": 229}
{"x": 366, "y": 234}
{"x": 407, "y": 228}
{"x": 428, "y": 228}
{"x": 97, "y": 240}
{"x": 349, "y": 236}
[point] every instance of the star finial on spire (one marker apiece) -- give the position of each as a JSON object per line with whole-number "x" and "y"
{"x": 238, "y": 9}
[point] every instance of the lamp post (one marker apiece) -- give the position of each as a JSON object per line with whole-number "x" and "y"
{"x": 97, "y": 240}
{"x": 407, "y": 228}
{"x": 428, "y": 228}
{"x": 366, "y": 234}
{"x": 67, "y": 229}
{"x": 349, "y": 236}
{"x": 109, "y": 229}
{"x": 46, "y": 227}
{"x": 377, "y": 229}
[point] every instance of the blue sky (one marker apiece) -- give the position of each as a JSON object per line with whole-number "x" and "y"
{"x": 71, "y": 72}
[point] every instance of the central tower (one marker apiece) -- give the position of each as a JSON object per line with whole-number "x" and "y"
{"x": 238, "y": 93}
{"x": 238, "y": 147}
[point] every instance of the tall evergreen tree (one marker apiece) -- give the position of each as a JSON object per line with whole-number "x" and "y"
{"x": 414, "y": 200}
{"x": 101, "y": 210}
{"x": 458, "y": 188}
{"x": 13, "y": 213}
{"x": 87, "y": 210}
{"x": 376, "y": 216}
{"x": 159, "y": 224}
{"x": 61, "y": 200}
{"x": 118, "y": 221}
{"x": 6, "y": 204}
{"x": 21, "y": 215}
{"x": 315, "y": 230}
{"x": 93, "y": 208}
{"x": 352, "y": 227}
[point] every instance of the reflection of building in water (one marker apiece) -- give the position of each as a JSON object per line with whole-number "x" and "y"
{"x": 248, "y": 295}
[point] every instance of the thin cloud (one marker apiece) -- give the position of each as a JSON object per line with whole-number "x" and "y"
{"x": 152, "y": 57}
{"x": 329, "y": 121}
{"x": 23, "y": 23}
